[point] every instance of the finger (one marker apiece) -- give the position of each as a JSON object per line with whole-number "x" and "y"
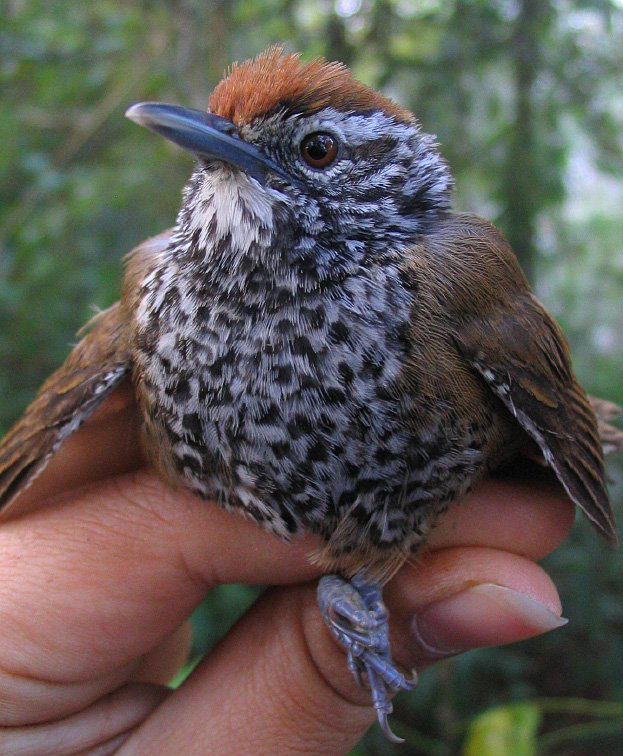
{"x": 281, "y": 674}
{"x": 107, "y": 719}
{"x": 262, "y": 691}
{"x": 160, "y": 665}
{"x": 524, "y": 511}
{"x": 460, "y": 598}
{"x": 312, "y": 698}
{"x": 109, "y": 748}
{"x": 106, "y": 576}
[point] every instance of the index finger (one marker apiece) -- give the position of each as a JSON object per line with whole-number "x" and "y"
{"x": 522, "y": 510}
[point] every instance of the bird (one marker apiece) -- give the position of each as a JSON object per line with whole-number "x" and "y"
{"x": 322, "y": 344}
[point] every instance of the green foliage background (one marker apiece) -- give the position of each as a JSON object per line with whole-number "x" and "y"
{"x": 525, "y": 97}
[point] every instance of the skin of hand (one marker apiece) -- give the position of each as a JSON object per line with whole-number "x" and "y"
{"x": 102, "y": 564}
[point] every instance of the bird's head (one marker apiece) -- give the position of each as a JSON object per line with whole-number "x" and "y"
{"x": 302, "y": 156}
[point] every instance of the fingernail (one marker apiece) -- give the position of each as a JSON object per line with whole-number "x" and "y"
{"x": 483, "y": 615}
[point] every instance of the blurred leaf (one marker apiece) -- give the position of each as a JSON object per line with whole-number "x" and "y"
{"x": 504, "y": 731}
{"x": 184, "y": 672}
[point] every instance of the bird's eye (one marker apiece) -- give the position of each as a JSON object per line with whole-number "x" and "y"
{"x": 319, "y": 149}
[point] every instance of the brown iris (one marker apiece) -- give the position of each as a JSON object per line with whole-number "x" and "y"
{"x": 319, "y": 149}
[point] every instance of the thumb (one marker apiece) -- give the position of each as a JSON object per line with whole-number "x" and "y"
{"x": 279, "y": 684}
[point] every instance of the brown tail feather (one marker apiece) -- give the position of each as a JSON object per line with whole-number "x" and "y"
{"x": 610, "y": 436}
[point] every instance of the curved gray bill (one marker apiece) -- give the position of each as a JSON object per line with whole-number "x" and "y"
{"x": 208, "y": 135}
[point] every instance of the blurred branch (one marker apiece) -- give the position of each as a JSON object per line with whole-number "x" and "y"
{"x": 44, "y": 118}
{"x": 84, "y": 128}
{"x": 578, "y": 732}
{"x": 586, "y": 707}
{"x": 201, "y": 58}
{"x": 520, "y": 209}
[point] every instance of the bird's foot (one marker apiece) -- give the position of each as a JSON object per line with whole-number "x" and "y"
{"x": 357, "y": 618}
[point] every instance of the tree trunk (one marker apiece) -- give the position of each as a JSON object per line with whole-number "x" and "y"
{"x": 521, "y": 181}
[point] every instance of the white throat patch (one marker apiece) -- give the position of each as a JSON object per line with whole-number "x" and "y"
{"x": 230, "y": 205}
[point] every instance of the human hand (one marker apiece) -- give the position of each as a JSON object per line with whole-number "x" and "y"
{"x": 97, "y": 586}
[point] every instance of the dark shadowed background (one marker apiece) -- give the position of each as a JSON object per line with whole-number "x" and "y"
{"x": 526, "y": 99}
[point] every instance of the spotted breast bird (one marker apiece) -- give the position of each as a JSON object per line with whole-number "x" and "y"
{"x": 322, "y": 344}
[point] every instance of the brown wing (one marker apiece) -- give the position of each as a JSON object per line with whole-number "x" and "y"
{"x": 523, "y": 355}
{"x": 69, "y": 396}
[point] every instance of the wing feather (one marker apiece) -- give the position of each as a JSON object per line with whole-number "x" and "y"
{"x": 523, "y": 355}
{"x": 95, "y": 367}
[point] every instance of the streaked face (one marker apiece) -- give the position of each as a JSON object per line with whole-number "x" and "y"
{"x": 366, "y": 175}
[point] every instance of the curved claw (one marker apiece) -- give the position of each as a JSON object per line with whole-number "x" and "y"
{"x": 413, "y": 680}
{"x": 387, "y": 730}
{"x": 382, "y": 704}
